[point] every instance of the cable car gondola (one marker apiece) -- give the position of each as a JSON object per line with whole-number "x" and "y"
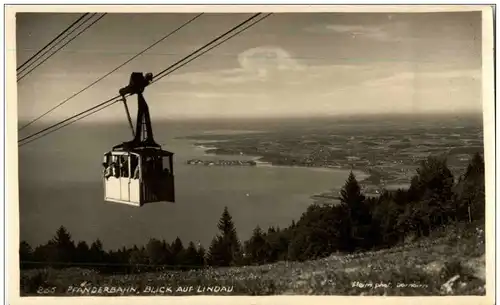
{"x": 138, "y": 172}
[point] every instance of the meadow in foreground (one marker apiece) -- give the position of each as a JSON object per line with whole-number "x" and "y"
{"x": 449, "y": 264}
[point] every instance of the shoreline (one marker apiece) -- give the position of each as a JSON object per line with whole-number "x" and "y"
{"x": 360, "y": 174}
{"x": 314, "y": 198}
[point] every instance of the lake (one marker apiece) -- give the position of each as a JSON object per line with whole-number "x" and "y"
{"x": 60, "y": 184}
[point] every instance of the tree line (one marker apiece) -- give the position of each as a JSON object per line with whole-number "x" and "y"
{"x": 433, "y": 201}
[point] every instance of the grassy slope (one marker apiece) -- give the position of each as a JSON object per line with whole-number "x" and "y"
{"x": 427, "y": 265}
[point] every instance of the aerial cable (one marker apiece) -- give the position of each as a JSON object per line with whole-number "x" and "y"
{"x": 113, "y": 99}
{"x": 117, "y": 98}
{"x": 164, "y": 73}
{"x": 112, "y": 71}
{"x": 57, "y": 50}
{"x": 22, "y": 69}
{"x": 52, "y": 41}
{"x": 161, "y": 74}
{"x": 69, "y": 122}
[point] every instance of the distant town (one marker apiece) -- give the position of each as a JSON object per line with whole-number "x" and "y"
{"x": 222, "y": 162}
{"x": 389, "y": 154}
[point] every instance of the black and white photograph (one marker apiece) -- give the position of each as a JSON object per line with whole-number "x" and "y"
{"x": 253, "y": 153}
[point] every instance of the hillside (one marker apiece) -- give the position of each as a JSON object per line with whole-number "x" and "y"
{"x": 449, "y": 262}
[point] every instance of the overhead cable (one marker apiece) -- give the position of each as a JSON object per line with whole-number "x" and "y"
{"x": 112, "y": 71}
{"x": 57, "y": 50}
{"x": 51, "y": 42}
{"x": 158, "y": 76}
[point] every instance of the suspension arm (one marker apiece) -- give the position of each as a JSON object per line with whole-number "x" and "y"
{"x": 124, "y": 100}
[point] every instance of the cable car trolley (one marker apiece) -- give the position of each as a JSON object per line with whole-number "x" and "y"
{"x": 138, "y": 172}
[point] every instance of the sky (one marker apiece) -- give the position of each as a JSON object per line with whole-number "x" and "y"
{"x": 301, "y": 64}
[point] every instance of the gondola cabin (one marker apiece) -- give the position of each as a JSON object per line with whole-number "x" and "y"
{"x": 138, "y": 177}
{"x": 138, "y": 172}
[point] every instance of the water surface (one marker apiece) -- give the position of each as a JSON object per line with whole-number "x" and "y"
{"x": 60, "y": 184}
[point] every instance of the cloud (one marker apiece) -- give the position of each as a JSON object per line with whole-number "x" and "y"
{"x": 377, "y": 33}
{"x": 449, "y": 77}
{"x": 424, "y": 92}
{"x": 270, "y": 81}
{"x": 210, "y": 94}
{"x": 355, "y": 31}
{"x": 270, "y": 69}
{"x": 267, "y": 58}
{"x": 255, "y": 65}
{"x": 390, "y": 32}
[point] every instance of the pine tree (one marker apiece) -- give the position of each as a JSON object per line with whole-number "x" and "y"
{"x": 434, "y": 184}
{"x": 257, "y": 247}
{"x": 82, "y": 252}
{"x": 156, "y": 252}
{"x": 25, "y": 254}
{"x": 169, "y": 256}
{"x": 201, "y": 256}
{"x": 138, "y": 259}
{"x": 191, "y": 258}
{"x": 46, "y": 253}
{"x": 475, "y": 169}
{"x": 97, "y": 254}
{"x": 356, "y": 217}
{"x": 64, "y": 245}
{"x": 470, "y": 191}
{"x": 219, "y": 252}
{"x": 316, "y": 234}
{"x": 177, "y": 249}
{"x": 225, "y": 249}
{"x": 278, "y": 242}
{"x": 226, "y": 225}
{"x": 298, "y": 246}
{"x": 385, "y": 219}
